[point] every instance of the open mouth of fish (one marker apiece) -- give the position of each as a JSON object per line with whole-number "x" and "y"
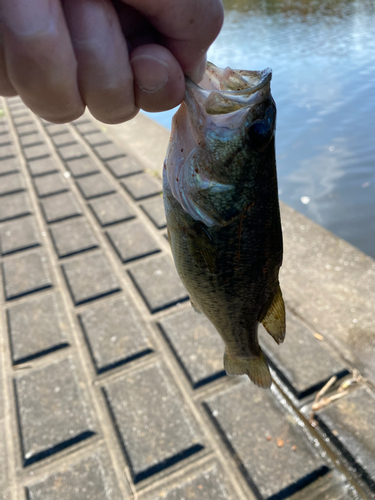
{"x": 224, "y": 91}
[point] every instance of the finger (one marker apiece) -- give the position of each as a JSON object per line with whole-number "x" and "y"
{"x": 6, "y": 88}
{"x": 159, "y": 80}
{"x": 188, "y": 26}
{"x": 135, "y": 27}
{"x": 104, "y": 73}
{"x": 40, "y": 61}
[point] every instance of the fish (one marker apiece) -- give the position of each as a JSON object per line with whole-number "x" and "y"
{"x": 222, "y": 209}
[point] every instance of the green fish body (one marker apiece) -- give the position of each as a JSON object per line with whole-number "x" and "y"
{"x": 222, "y": 209}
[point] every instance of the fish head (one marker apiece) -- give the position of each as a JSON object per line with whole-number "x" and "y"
{"x": 219, "y": 137}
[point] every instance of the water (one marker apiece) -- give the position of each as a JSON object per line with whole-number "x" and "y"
{"x": 323, "y": 60}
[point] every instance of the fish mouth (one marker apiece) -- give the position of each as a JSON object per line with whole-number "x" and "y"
{"x": 226, "y": 90}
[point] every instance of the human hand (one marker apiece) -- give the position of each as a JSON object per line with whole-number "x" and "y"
{"x": 113, "y": 56}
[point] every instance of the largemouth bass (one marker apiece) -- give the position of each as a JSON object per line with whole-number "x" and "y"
{"x": 222, "y": 209}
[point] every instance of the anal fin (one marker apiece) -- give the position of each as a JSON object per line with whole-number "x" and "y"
{"x": 256, "y": 369}
{"x": 274, "y": 319}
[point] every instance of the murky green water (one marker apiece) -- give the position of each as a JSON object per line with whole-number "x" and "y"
{"x": 323, "y": 58}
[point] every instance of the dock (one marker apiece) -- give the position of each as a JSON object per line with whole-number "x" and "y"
{"x": 113, "y": 388}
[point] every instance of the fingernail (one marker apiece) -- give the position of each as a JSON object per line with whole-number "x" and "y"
{"x": 150, "y": 74}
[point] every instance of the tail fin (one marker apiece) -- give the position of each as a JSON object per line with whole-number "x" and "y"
{"x": 256, "y": 369}
{"x": 274, "y": 319}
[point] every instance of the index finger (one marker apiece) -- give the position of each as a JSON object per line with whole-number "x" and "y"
{"x": 188, "y": 27}
{"x": 39, "y": 58}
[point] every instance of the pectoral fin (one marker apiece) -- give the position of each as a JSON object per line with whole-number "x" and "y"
{"x": 274, "y": 318}
{"x": 256, "y": 369}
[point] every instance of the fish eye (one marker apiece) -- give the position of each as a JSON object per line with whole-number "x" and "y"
{"x": 260, "y": 132}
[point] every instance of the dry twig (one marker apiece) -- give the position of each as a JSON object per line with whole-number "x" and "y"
{"x": 321, "y": 401}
